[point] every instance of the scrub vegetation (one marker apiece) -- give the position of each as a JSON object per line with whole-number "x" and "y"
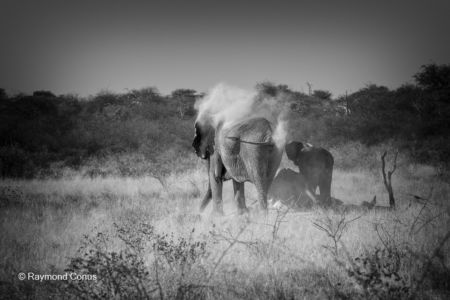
{"x": 110, "y": 186}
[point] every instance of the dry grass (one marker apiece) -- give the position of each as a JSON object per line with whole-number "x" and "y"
{"x": 279, "y": 255}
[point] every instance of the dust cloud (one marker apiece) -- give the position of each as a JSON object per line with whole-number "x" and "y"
{"x": 230, "y": 104}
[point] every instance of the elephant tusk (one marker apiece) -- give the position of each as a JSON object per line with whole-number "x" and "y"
{"x": 250, "y": 142}
{"x": 311, "y": 196}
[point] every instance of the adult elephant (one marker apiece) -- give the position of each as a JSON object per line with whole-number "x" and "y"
{"x": 241, "y": 151}
{"x": 316, "y": 165}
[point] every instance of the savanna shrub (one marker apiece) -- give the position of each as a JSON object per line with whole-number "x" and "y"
{"x": 145, "y": 265}
{"x": 378, "y": 274}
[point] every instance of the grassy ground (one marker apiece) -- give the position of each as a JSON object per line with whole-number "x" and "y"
{"x": 145, "y": 240}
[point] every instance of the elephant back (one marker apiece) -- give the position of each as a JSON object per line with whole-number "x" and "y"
{"x": 256, "y": 130}
{"x": 317, "y": 157}
{"x": 246, "y": 147}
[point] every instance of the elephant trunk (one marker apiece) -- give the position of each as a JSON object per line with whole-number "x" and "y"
{"x": 208, "y": 195}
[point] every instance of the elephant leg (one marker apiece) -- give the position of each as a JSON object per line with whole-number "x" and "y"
{"x": 239, "y": 196}
{"x": 325, "y": 188}
{"x": 206, "y": 198}
{"x": 262, "y": 194}
{"x": 310, "y": 191}
{"x": 218, "y": 167}
{"x": 208, "y": 195}
{"x": 216, "y": 192}
{"x": 310, "y": 185}
{"x": 274, "y": 163}
{"x": 260, "y": 180}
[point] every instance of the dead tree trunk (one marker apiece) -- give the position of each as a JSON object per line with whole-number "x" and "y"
{"x": 309, "y": 88}
{"x": 388, "y": 179}
{"x": 347, "y": 108}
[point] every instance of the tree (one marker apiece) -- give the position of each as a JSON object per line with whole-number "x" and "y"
{"x": 43, "y": 93}
{"x": 322, "y": 94}
{"x": 183, "y": 93}
{"x": 185, "y": 99}
{"x": 267, "y": 88}
{"x": 433, "y": 77}
{"x": 147, "y": 94}
{"x": 3, "y": 94}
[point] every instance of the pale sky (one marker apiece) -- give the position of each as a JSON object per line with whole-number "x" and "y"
{"x": 84, "y": 47}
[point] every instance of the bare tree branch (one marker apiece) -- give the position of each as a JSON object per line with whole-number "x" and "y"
{"x": 388, "y": 179}
{"x": 224, "y": 253}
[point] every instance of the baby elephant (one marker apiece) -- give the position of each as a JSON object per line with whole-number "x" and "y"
{"x": 289, "y": 188}
{"x": 316, "y": 165}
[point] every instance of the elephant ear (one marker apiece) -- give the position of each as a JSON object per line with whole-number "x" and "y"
{"x": 196, "y": 143}
{"x": 203, "y": 142}
{"x": 293, "y": 150}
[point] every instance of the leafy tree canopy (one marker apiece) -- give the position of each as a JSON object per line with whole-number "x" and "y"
{"x": 322, "y": 94}
{"x": 433, "y": 76}
{"x": 183, "y": 93}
